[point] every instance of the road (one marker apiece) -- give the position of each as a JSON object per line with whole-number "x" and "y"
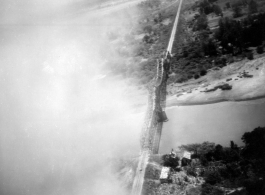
{"x": 174, "y": 29}
{"x": 139, "y": 178}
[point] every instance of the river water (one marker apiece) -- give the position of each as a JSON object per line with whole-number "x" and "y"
{"x": 219, "y": 123}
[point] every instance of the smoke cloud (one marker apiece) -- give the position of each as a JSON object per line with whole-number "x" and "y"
{"x": 62, "y": 116}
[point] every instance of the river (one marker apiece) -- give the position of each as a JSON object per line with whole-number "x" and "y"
{"x": 219, "y": 123}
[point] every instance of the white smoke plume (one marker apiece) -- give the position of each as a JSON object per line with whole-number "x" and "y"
{"x": 62, "y": 117}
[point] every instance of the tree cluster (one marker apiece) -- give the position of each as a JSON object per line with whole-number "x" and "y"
{"x": 240, "y": 4}
{"x": 170, "y": 161}
{"x": 233, "y": 166}
{"x": 207, "y": 7}
{"x": 236, "y": 36}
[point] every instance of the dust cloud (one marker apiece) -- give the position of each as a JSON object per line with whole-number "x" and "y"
{"x": 62, "y": 116}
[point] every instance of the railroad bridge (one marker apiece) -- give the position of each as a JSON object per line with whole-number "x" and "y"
{"x": 155, "y": 115}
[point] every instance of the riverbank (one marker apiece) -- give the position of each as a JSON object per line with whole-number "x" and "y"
{"x": 219, "y": 123}
{"x": 239, "y": 81}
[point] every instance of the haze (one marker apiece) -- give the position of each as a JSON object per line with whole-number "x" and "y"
{"x": 62, "y": 117}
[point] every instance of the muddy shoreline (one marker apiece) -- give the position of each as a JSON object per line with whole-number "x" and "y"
{"x": 206, "y": 91}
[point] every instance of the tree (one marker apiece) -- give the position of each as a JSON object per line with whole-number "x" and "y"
{"x": 233, "y": 169}
{"x": 209, "y": 48}
{"x": 198, "y": 149}
{"x": 237, "y": 11}
{"x": 231, "y": 34}
{"x": 254, "y": 151}
{"x": 260, "y": 49}
{"x": 254, "y": 186}
{"x": 206, "y": 147}
{"x": 203, "y": 72}
{"x": 220, "y": 32}
{"x": 217, "y": 10}
{"x": 158, "y": 18}
{"x": 148, "y": 39}
{"x": 204, "y": 161}
{"x": 203, "y": 35}
{"x": 201, "y": 23}
{"x": 213, "y": 178}
{"x": 252, "y": 7}
{"x": 148, "y": 29}
{"x": 191, "y": 148}
{"x": 244, "y": 2}
{"x": 196, "y": 76}
{"x": 231, "y": 156}
{"x": 218, "y": 152}
{"x": 227, "y": 5}
{"x": 205, "y": 7}
{"x": 169, "y": 161}
{"x": 250, "y": 56}
{"x": 233, "y": 145}
{"x": 254, "y": 144}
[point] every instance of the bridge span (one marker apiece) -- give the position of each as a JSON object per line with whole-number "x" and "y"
{"x": 155, "y": 115}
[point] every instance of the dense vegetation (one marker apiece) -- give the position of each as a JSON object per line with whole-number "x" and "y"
{"x": 204, "y": 46}
{"x": 241, "y": 34}
{"x": 212, "y": 170}
{"x": 231, "y": 167}
{"x": 211, "y": 33}
{"x": 135, "y": 47}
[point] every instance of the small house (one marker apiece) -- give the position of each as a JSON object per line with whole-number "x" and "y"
{"x": 164, "y": 176}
